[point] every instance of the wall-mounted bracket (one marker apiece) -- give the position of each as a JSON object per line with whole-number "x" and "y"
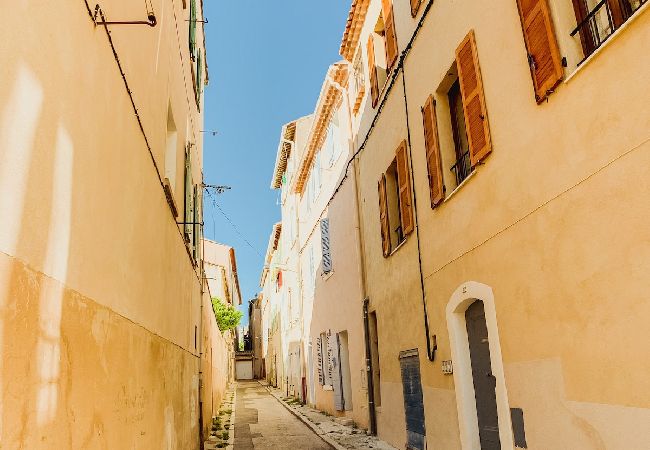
{"x": 196, "y": 21}
{"x": 99, "y": 14}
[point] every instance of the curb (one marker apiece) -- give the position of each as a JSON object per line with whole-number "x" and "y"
{"x": 306, "y": 421}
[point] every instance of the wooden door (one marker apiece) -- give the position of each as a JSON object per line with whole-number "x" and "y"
{"x": 484, "y": 380}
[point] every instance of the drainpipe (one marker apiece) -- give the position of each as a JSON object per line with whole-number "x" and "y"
{"x": 372, "y": 413}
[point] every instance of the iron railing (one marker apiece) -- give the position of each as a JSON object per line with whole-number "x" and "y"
{"x": 462, "y": 168}
{"x": 601, "y": 22}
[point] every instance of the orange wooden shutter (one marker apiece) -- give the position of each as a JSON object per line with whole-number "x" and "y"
{"x": 471, "y": 87}
{"x": 404, "y": 182}
{"x": 372, "y": 70}
{"x": 391, "y": 39}
{"x": 432, "y": 145}
{"x": 543, "y": 53}
{"x": 383, "y": 216}
{"x": 415, "y": 5}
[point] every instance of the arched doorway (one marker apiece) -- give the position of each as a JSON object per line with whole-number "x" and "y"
{"x": 481, "y": 397}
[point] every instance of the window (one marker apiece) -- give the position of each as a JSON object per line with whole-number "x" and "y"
{"x": 358, "y": 83}
{"x": 382, "y": 50}
{"x": 189, "y": 199}
{"x": 171, "y": 149}
{"x": 395, "y": 211}
{"x": 597, "y": 20}
{"x": 462, "y": 166}
{"x": 278, "y": 281}
{"x": 458, "y": 111}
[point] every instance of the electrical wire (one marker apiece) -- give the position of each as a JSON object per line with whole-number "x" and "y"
{"x": 232, "y": 224}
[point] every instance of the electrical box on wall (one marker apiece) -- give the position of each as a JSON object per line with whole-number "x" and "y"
{"x": 447, "y": 367}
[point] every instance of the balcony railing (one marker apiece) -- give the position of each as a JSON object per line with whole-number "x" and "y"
{"x": 462, "y": 168}
{"x": 601, "y": 22}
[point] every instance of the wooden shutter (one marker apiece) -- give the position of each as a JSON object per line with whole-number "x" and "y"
{"x": 543, "y": 53}
{"x": 432, "y": 145}
{"x": 471, "y": 87}
{"x": 372, "y": 71}
{"x": 390, "y": 36}
{"x": 415, "y": 5}
{"x": 404, "y": 182}
{"x": 383, "y": 216}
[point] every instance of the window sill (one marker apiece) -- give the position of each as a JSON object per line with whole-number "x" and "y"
{"x": 471, "y": 175}
{"x": 400, "y": 245}
{"x": 608, "y": 42}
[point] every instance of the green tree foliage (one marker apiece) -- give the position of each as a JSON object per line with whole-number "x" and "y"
{"x": 227, "y": 316}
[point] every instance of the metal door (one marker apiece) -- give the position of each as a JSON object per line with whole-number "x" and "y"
{"x": 413, "y": 403}
{"x": 484, "y": 380}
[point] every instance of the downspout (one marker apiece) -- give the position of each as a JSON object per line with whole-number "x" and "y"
{"x": 372, "y": 412}
{"x": 432, "y": 345}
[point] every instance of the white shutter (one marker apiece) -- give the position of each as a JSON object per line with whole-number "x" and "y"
{"x": 319, "y": 358}
{"x": 337, "y": 381}
{"x": 331, "y": 359}
{"x": 325, "y": 245}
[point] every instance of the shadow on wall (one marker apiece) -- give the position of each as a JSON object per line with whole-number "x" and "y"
{"x": 71, "y": 370}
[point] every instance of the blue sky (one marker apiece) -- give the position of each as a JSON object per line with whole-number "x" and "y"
{"x": 267, "y": 60}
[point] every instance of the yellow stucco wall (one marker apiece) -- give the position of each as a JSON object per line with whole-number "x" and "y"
{"x": 554, "y": 221}
{"x": 100, "y": 304}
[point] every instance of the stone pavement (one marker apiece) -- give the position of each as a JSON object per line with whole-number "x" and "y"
{"x": 334, "y": 431}
{"x": 262, "y": 422}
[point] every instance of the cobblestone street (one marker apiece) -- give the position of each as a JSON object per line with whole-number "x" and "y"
{"x": 261, "y": 422}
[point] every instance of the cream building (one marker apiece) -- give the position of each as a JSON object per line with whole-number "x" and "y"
{"x": 501, "y": 156}
{"x": 271, "y": 311}
{"x": 101, "y": 334}
{"x": 221, "y": 272}
{"x": 220, "y": 265}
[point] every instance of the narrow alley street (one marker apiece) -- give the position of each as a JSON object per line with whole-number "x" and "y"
{"x": 261, "y": 422}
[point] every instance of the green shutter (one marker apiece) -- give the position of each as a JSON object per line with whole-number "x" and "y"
{"x": 193, "y": 29}
{"x": 199, "y": 76}
{"x": 188, "y": 194}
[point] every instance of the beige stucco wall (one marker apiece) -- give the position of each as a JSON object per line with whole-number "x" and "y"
{"x": 100, "y": 303}
{"x": 338, "y": 305}
{"x": 554, "y": 222}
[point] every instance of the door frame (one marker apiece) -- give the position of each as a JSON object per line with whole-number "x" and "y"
{"x": 466, "y": 294}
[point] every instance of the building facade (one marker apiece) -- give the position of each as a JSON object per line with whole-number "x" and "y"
{"x": 491, "y": 147}
{"x": 487, "y": 172}
{"x": 101, "y": 281}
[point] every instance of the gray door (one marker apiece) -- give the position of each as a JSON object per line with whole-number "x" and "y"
{"x": 484, "y": 381}
{"x": 413, "y": 404}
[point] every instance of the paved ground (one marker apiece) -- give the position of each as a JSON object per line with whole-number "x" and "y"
{"x": 261, "y": 423}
